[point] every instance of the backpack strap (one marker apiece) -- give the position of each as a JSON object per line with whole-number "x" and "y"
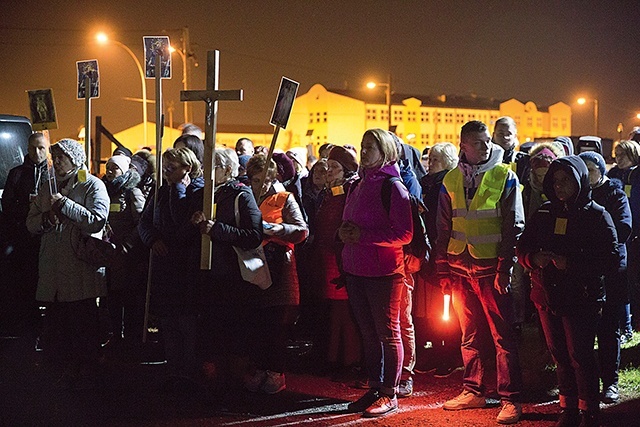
{"x": 386, "y": 192}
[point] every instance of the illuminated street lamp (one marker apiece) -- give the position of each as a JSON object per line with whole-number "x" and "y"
{"x": 102, "y": 38}
{"x": 387, "y": 86}
{"x": 184, "y": 78}
{"x": 583, "y": 101}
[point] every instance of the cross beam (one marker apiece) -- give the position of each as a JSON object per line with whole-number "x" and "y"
{"x": 211, "y": 95}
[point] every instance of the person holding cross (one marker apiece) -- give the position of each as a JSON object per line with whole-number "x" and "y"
{"x": 225, "y": 298}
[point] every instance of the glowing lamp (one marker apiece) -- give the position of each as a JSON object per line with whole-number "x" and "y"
{"x": 445, "y": 309}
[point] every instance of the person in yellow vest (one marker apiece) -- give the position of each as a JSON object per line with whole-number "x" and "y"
{"x": 480, "y": 217}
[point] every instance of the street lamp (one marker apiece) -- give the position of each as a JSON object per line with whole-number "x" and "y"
{"x": 583, "y": 101}
{"x": 184, "y": 78}
{"x": 387, "y": 86}
{"x": 102, "y": 38}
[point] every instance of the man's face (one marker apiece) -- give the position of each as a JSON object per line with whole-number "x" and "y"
{"x": 506, "y": 136}
{"x": 38, "y": 149}
{"x": 476, "y": 147}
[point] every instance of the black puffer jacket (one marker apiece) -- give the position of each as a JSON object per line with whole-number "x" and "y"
{"x": 579, "y": 229}
{"x": 611, "y": 196}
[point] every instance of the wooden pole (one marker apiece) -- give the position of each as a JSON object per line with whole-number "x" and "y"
{"x": 87, "y": 120}
{"x": 159, "y": 131}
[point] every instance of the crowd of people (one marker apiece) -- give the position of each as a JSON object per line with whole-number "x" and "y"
{"x": 508, "y": 240}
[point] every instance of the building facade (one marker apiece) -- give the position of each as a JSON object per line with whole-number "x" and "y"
{"x": 341, "y": 116}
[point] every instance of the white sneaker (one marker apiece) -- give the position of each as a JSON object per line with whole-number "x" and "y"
{"x": 274, "y": 383}
{"x": 465, "y": 400}
{"x": 255, "y": 381}
{"x": 510, "y": 413}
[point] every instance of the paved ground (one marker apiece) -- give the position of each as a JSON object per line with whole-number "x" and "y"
{"x": 133, "y": 395}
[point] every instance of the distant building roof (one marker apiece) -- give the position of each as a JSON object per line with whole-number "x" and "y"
{"x": 240, "y": 128}
{"x": 449, "y": 101}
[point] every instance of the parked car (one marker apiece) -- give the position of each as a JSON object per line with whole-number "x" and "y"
{"x": 14, "y": 140}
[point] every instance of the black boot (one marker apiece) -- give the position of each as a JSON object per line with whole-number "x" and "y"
{"x": 589, "y": 418}
{"x": 569, "y": 417}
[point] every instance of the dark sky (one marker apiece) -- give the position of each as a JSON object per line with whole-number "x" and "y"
{"x": 540, "y": 51}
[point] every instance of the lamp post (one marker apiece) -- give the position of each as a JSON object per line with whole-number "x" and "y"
{"x": 583, "y": 101}
{"x": 387, "y": 86}
{"x": 102, "y": 38}
{"x": 184, "y": 78}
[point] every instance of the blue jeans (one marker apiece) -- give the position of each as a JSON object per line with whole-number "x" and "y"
{"x": 570, "y": 340}
{"x": 485, "y": 320}
{"x": 407, "y": 330}
{"x": 376, "y": 306}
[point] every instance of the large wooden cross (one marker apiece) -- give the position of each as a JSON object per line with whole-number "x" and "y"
{"x": 211, "y": 95}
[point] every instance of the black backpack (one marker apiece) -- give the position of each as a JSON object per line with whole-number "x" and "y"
{"x": 418, "y": 251}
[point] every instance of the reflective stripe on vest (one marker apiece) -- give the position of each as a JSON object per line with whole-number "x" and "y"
{"x": 478, "y": 227}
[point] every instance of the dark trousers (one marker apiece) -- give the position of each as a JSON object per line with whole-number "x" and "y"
{"x": 376, "y": 307}
{"x": 485, "y": 320}
{"x": 271, "y": 326}
{"x": 609, "y": 342}
{"x": 570, "y": 340}
{"x": 179, "y": 335}
{"x": 71, "y": 334}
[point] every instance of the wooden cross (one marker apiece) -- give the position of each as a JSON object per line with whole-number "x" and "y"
{"x": 211, "y": 95}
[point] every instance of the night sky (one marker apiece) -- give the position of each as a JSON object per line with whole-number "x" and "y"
{"x": 540, "y": 51}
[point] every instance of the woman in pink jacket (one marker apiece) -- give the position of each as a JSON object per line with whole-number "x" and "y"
{"x": 372, "y": 260}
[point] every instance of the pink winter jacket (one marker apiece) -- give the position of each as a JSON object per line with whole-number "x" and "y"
{"x": 382, "y": 236}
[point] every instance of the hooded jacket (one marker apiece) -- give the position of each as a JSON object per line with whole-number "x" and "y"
{"x": 579, "y": 229}
{"x": 382, "y": 235}
{"x": 62, "y": 276}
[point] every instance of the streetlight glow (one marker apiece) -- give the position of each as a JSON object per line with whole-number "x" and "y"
{"x": 103, "y": 39}
{"x": 583, "y": 101}
{"x": 387, "y": 92}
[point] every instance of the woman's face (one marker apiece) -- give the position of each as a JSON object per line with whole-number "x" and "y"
{"x": 622, "y": 160}
{"x": 370, "y": 154}
{"x": 113, "y": 171}
{"x": 62, "y": 163}
{"x": 436, "y": 163}
{"x": 320, "y": 173}
{"x": 222, "y": 174}
{"x": 335, "y": 173}
{"x": 255, "y": 185}
{"x": 594, "y": 173}
{"x": 175, "y": 172}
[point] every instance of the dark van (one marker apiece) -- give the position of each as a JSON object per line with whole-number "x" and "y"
{"x": 14, "y": 141}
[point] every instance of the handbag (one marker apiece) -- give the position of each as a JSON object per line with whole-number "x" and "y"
{"x": 94, "y": 251}
{"x": 252, "y": 262}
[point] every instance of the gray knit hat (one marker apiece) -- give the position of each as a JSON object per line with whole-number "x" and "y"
{"x": 72, "y": 149}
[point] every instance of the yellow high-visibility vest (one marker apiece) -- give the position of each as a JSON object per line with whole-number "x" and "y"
{"x": 478, "y": 227}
